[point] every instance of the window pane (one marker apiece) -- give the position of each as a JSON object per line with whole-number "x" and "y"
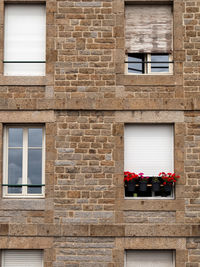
{"x": 34, "y": 170}
{"x": 15, "y": 137}
{"x": 14, "y": 169}
{"x": 136, "y": 67}
{"x": 158, "y": 66}
{"x": 35, "y": 137}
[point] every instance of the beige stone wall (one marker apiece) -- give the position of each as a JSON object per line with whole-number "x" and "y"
{"x": 84, "y": 101}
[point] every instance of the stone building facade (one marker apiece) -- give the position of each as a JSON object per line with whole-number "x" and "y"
{"x": 83, "y": 102}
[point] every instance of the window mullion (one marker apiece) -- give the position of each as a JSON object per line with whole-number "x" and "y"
{"x": 5, "y": 188}
{"x": 25, "y": 161}
{"x": 43, "y": 159}
{"x": 148, "y": 65}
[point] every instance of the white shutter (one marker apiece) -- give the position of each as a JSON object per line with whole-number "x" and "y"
{"x": 22, "y": 258}
{"x": 149, "y": 148}
{"x": 148, "y": 28}
{"x": 24, "y": 35}
{"x": 151, "y": 258}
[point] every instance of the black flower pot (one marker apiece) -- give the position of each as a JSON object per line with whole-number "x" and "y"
{"x": 155, "y": 186}
{"x": 131, "y": 185}
{"x": 143, "y": 186}
{"x": 168, "y": 188}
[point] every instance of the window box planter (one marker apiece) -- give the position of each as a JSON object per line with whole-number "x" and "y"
{"x": 141, "y": 186}
{"x": 131, "y": 185}
{"x": 167, "y": 188}
{"x": 155, "y": 186}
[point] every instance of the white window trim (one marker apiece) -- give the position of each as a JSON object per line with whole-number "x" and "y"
{"x": 24, "y": 193}
{"x": 173, "y": 255}
{"x": 148, "y": 67}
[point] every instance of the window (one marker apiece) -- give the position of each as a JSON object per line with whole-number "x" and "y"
{"x": 23, "y": 161}
{"x": 149, "y": 149}
{"x": 20, "y": 258}
{"x": 140, "y": 63}
{"x": 24, "y": 40}
{"x": 149, "y": 258}
{"x": 148, "y": 39}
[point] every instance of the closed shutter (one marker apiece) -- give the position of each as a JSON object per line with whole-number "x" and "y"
{"x": 149, "y": 258}
{"x": 148, "y": 28}
{"x": 24, "y": 39}
{"x": 22, "y": 258}
{"x": 149, "y": 148}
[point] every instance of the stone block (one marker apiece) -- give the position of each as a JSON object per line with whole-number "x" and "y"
{"x": 107, "y": 230}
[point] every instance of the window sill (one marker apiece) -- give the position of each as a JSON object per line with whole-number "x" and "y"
{"x": 153, "y": 198}
{"x": 148, "y": 79}
{"x": 23, "y": 197}
{"x": 22, "y": 204}
{"x": 23, "y": 80}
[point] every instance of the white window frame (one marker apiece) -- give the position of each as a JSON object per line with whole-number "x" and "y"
{"x": 21, "y": 250}
{"x": 173, "y": 255}
{"x": 147, "y": 66}
{"x": 172, "y": 196}
{"x": 24, "y": 193}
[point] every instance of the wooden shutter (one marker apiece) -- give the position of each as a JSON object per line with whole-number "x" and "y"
{"x": 22, "y": 258}
{"x": 149, "y": 148}
{"x": 151, "y": 258}
{"x": 148, "y": 28}
{"x": 24, "y": 39}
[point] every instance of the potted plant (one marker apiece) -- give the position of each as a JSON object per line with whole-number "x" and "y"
{"x": 130, "y": 181}
{"x": 155, "y": 184}
{"x": 143, "y": 182}
{"x": 168, "y": 180}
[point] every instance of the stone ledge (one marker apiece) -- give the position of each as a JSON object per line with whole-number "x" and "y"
{"x": 161, "y": 80}
{"x": 27, "y": 116}
{"x": 22, "y": 204}
{"x": 138, "y": 230}
{"x": 23, "y": 80}
{"x": 151, "y": 205}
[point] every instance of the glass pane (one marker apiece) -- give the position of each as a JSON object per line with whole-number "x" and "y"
{"x": 15, "y": 170}
{"x": 35, "y": 137}
{"x": 15, "y": 137}
{"x": 34, "y": 170}
{"x": 135, "y": 67}
{"x": 159, "y": 66}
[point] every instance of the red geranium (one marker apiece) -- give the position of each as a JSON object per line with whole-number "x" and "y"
{"x": 169, "y": 178}
{"x": 128, "y": 176}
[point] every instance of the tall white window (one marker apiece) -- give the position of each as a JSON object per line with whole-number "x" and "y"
{"x": 22, "y": 258}
{"x": 24, "y": 40}
{"x": 149, "y": 258}
{"x": 24, "y": 157}
{"x": 149, "y": 148}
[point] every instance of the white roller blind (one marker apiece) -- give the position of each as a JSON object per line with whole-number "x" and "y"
{"x": 24, "y": 35}
{"x": 149, "y": 148}
{"x": 22, "y": 258}
{"x": 148, "y": 28}
{"x": 149, "y": 258}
